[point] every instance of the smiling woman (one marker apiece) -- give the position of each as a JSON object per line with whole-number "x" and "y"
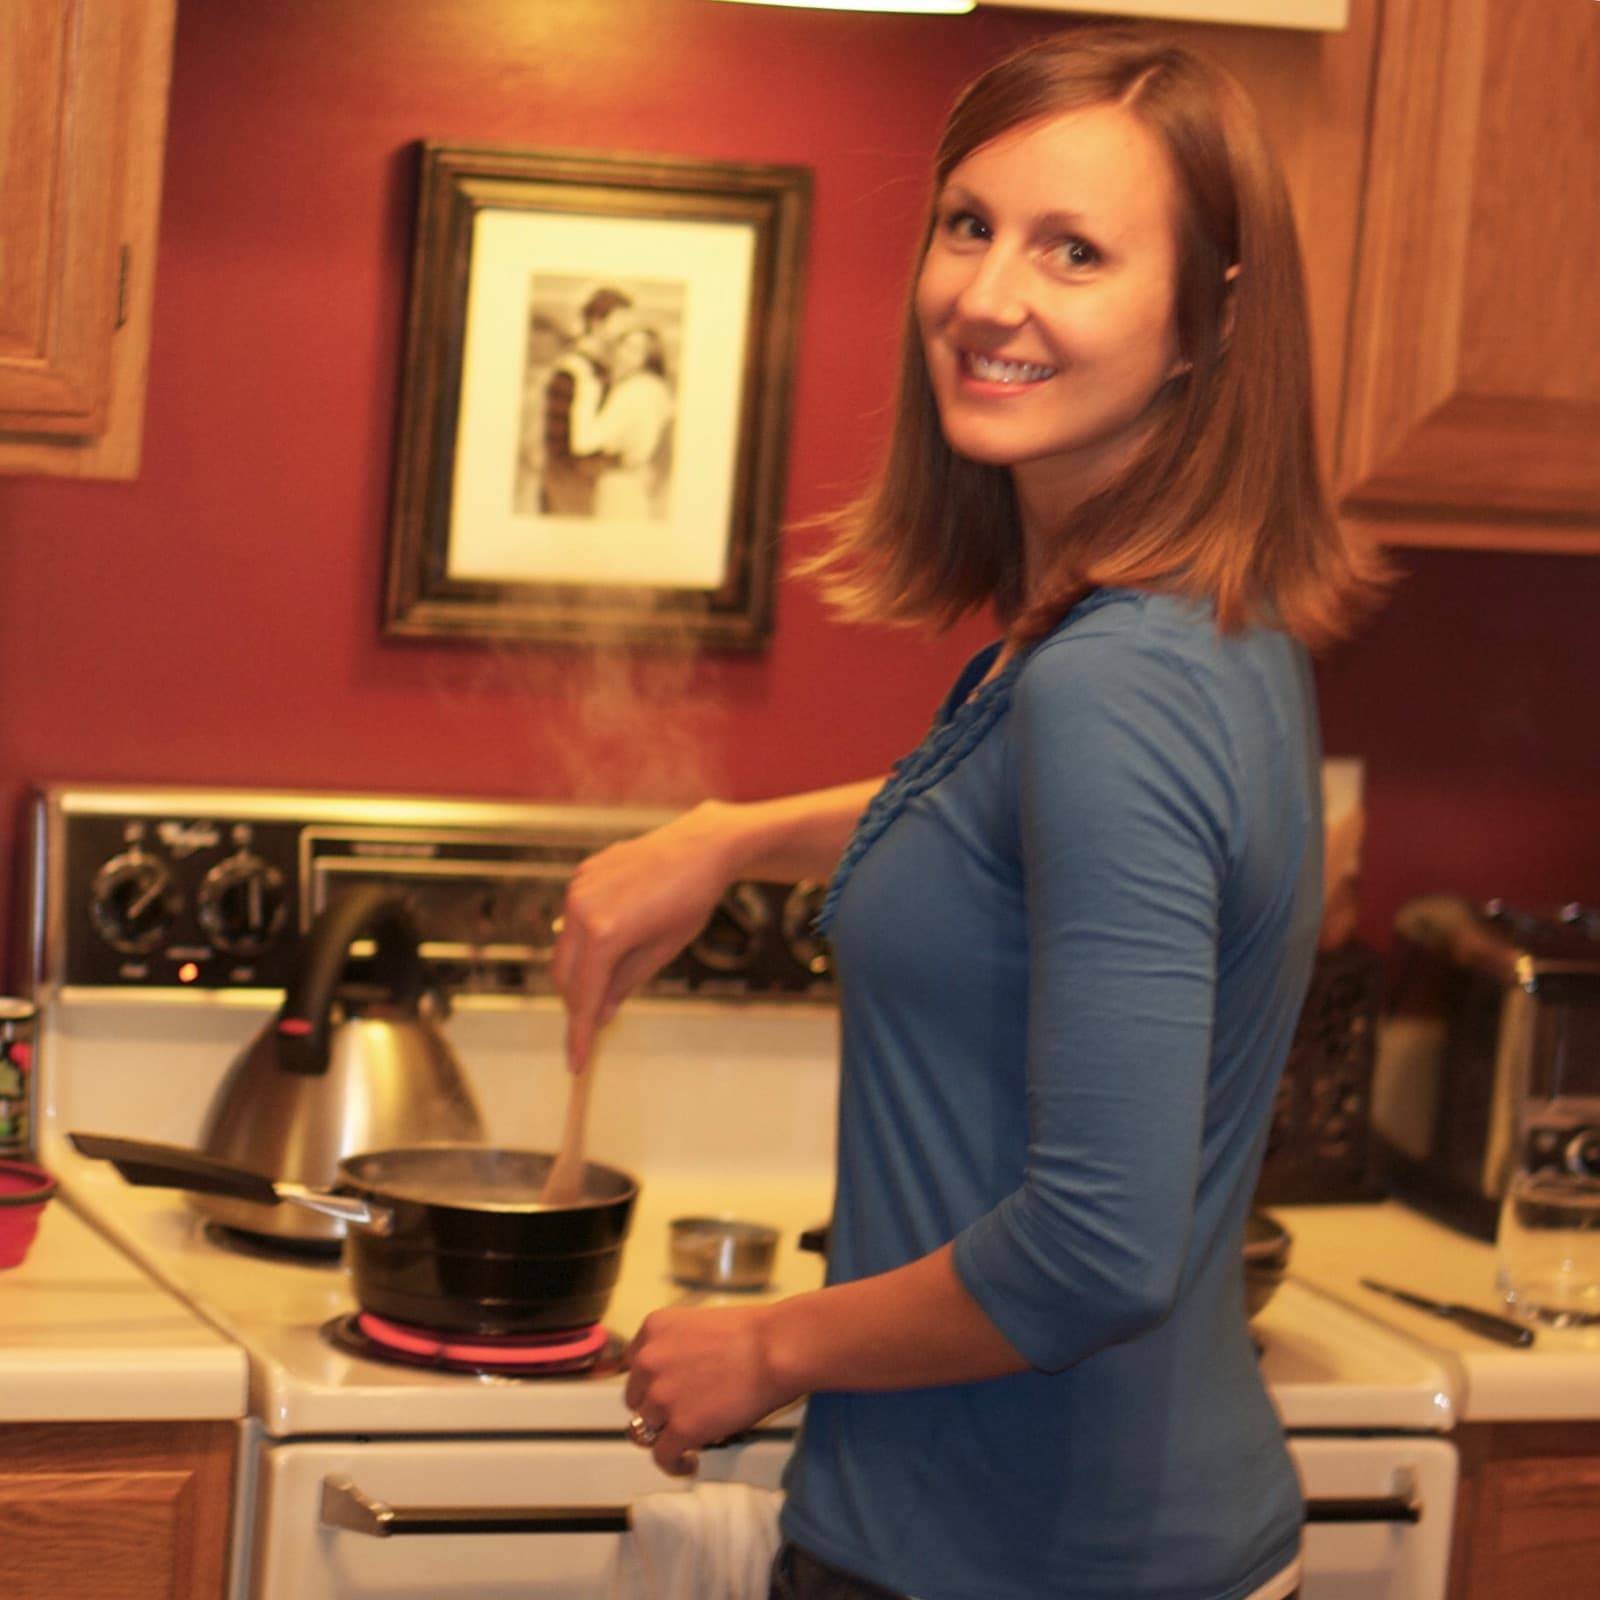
{"x": 1073, "y": 930}
{"x": 1127, "y": 179}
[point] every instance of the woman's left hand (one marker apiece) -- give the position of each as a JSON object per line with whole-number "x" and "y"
{"x": 699, "y": 1376}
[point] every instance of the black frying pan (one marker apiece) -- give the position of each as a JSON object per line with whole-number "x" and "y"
{"x": 448, "y": 1236}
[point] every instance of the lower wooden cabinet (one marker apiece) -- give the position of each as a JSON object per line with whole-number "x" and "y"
{"x": 115, "y": 1511}
{"x": 1528, "y": 1512}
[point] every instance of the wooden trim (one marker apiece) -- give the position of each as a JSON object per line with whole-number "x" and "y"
{"x": 1444, "y": 528}
{"x": 1513, "y": 455}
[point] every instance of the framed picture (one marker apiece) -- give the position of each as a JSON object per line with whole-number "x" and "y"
{"x": 595, "y": 403}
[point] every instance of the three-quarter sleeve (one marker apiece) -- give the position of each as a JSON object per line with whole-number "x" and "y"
{"x": 1128, "y": 813}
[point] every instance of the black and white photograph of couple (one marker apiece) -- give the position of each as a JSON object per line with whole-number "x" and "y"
{"x": 599, "y": 398}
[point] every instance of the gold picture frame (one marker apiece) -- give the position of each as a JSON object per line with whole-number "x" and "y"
{"x": 596, "y": 395}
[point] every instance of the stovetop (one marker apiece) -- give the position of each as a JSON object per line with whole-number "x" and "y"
{"x": 1326, "y": 1365}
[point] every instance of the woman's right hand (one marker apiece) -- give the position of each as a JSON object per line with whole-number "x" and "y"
{"x": 630, "y": 908}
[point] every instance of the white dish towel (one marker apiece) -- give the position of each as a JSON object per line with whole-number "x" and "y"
{"x": 715, "y": 1541}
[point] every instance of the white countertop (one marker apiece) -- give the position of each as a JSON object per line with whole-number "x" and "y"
{"x": 1556, "y": 1379}
{"x": 85, "y": 1336}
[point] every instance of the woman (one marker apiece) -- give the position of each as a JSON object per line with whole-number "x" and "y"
{"x": 628, "y": 427}
{"x": 1073, "y": 930}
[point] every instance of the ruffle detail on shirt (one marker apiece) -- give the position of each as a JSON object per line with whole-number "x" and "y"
{"x": 947, "y": 744}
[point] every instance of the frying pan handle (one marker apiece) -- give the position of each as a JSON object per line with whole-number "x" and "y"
{"x": 301, "y": 1028}
{"x": 170, "y": 1166}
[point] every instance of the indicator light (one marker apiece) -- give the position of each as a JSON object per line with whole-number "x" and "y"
{"x": 188, "y": 972}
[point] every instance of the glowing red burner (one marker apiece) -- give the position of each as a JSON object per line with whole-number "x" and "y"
{"x": 574, "y": 1347}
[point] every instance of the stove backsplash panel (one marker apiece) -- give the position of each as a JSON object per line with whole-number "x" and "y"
{"x": 211, "y": 890}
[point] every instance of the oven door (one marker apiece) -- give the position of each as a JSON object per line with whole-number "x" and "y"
{"x": 475, "y": 1519}
{"x": 1379, "y": 1512}
{"x": 498, "y": 1519}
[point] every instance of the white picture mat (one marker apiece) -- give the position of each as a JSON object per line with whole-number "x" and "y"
{"x": 488, "y": 541}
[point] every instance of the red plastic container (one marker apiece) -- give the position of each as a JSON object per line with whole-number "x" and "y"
{"x": 25, "y": 1190}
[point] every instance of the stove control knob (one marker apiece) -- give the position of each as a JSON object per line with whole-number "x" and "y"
{"x": 805, "y": 944}
{"x": 732, "y": 935}
{"x": 1583, "y": 1153}
{"x": 242, "y": 904}
{"x": 134, "y": 901}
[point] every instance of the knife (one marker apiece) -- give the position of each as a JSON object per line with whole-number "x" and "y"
{"x": 1486, "y": 1323}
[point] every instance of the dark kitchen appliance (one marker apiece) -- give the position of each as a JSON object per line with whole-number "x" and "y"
{"x": 1489, "y": 1054}
{"x": 1318, "y": 1144}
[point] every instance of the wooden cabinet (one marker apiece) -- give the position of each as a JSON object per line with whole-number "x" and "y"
{"x": 115, "y": 1511}
{"x": 1471, "y": 413}
{"x": 1528, "y": 1512}
{"x": 83, "y": 95}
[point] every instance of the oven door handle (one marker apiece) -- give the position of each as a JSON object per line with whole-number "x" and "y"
{"x": 346, "y": 1507}
{"x": 1380, "y": 1508}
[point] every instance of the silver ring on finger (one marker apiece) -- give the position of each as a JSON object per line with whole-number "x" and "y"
{"x": 642, "y": 1433}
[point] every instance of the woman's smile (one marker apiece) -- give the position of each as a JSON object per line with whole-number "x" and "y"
{"x": 1008, "y": 374}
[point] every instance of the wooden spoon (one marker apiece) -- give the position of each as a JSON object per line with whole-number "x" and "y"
{"x": 563, "y": 1184}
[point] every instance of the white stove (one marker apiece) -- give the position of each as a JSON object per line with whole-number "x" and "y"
{"x": 716, "y": 1092}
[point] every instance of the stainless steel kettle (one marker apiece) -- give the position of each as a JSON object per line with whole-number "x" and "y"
{"x": 341, "y": 1069}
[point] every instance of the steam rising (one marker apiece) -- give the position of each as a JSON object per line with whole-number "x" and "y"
{"x": 602, "y": 720}
{"x": 641, "y": 733}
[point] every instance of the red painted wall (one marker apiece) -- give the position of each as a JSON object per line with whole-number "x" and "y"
{"x": 217, "y": 619}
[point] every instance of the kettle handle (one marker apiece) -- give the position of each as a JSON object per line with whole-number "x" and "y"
{"x": 301, "y": 1027}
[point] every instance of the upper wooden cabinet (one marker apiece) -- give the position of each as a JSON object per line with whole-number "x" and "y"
{"x": 83, "y": 94}
{"x": 1471, "y": 413}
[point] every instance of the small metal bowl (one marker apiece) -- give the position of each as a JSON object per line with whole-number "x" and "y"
{"x": 1266, "y": 1260}
{"x": 722, "y": 1252}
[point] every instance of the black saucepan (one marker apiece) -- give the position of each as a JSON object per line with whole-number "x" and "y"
{"x": 445, "y": 1236}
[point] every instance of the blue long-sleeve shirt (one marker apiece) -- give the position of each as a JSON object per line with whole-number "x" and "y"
{"x": 1073, "y": 937}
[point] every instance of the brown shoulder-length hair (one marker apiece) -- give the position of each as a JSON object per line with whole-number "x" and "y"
{"x": 1225, "y": 500}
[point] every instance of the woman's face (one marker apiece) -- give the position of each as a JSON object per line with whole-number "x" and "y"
{"x": 1046, "y": 300}
{"x": 632, "y": 351}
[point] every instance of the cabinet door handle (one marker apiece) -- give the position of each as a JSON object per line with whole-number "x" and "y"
{"x": 1382, "y": 1508}
{"x": 344, "y": 1506}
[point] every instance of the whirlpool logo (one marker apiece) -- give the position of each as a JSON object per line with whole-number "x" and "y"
{"x": 184, "y": 838}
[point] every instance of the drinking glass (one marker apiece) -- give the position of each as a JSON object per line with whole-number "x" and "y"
{"x": 1549, "y": 1249}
